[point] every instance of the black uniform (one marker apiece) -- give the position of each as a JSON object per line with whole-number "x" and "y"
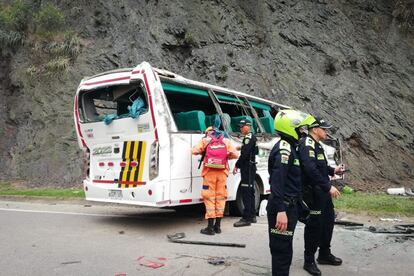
{"x": 316, "y": 186}
{"x": 247, "y": 165}
{"x": 286, "y": 186}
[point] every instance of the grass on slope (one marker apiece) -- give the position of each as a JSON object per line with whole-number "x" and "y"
{"x": 6, "y": 189}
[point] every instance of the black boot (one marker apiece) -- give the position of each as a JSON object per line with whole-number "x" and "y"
{"x": 209, "y": 230}
{"x": 312, "y": 268}
{"x": 217, "y": 228}
{"x": 329, "y": 259}
{"x": 242, "y": 222}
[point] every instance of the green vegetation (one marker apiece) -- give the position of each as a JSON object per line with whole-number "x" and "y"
{"x": 44, "y": 30}
{"x": 375, "y": 204}
{"x": 6, "y": 189}
{"x": 404, "y": 14}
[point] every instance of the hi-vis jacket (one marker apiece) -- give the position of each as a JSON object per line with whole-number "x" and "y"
{"x": 201, "y": 146}
{"x": 315, "y": 169}
{"x": 285, "y": 176}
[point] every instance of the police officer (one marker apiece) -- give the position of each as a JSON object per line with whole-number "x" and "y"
{"x": 318, "y": 193}
{"x": 247, "y": 165}
{"x": 286, "y": 187}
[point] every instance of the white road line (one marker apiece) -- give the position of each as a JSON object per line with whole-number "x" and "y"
{"x": 62, "y": 213}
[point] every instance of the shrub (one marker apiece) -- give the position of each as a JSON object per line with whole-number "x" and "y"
{"x": 404, "y": 14}
{"x": 15, "y": 16}
{"x": 50, "y": 19}
{"x": 57, "y": 65}
{"x": 11, "y": 38}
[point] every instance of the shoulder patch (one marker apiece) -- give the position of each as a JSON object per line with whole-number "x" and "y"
{"x": 246, "y": 140}
{"x": 249, "y": 135}
{"x": 311, "y": 153}
{"x": 284, "y": 145}
{"x": 309, "y": 142}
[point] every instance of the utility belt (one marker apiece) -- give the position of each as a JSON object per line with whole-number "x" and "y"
{"x": 291, "y": 201}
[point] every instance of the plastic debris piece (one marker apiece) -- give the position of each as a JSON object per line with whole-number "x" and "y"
{"x": 216, "y": 260}
{"x": 347, "y": 190}
{"x": 162, "y": 258}
{"x": 120, "y": 274}
{"x": 348, "y": 223}
{"x": 391, "y": 219}
{"x": 396, "y": 191}
{"x": 148, "y": 263}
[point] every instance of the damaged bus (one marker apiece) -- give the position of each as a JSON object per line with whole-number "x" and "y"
{"x": 137, "y": 127}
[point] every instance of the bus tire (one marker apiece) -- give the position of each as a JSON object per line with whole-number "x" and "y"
{"x": 237, "y": 206}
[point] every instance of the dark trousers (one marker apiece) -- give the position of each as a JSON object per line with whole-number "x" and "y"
{"x": 281, "y": 243}
{"x": 247, "y": 189}
{"x": 319, "y": 228}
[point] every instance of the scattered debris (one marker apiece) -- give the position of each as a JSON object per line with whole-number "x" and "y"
{"x": 148, "y": 263}
{"x": 391, "y": 219}
{"x": 388, "y": 231}
{"x": 216, "y": 260}
{"x": 71, "y": 262}
{"x": 87, "y": 205}
{"x": 121, "y": 232}
{"x": 405, "y": 227}
{"x": 347, "y": 190}
{"x": 162, "y": 258}
{"x": 177, "y": 238}
{"x": 400, "y": 191}
{"x": 348, "y": 223}
{"x": 120, "y": 274}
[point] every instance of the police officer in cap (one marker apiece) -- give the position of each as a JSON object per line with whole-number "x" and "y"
{"x": 318, "y": 193}
{"x": 286, "y": 188}
{"x": 247, "y": 165}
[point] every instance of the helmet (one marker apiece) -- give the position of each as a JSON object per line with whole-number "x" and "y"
{"x": 288, "y": 121}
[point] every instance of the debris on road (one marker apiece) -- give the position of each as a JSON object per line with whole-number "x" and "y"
{"x": 148, "y": 263}
{"x": 391, "y": 219}
{"x": 177, "y": 238}
{"x": 347, "y": 223}
{"x": 400, "y": 191}
{"x": 389, "y": 231}
{"x": 216, "y": 260}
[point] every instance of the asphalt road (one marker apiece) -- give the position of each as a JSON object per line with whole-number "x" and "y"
{"x": 80, "y": 238}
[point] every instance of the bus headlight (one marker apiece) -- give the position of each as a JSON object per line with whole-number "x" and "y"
{"x": 153, "y": 166}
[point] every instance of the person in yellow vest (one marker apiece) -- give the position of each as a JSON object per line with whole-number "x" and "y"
{"x": 216, "y": 151}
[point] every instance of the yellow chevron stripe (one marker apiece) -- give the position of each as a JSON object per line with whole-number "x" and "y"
{"x": 126, "y": 157}
{"x": 134, "y": 158}
{"x": 141, "y": 161}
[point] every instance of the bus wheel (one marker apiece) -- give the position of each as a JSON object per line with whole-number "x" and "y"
{"x": 237, "y": 206}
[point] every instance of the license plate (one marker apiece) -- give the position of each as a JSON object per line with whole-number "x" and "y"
{"x": 115, "y": 194}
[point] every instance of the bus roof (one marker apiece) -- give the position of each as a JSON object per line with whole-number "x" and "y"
{"x": 168, "y": 75}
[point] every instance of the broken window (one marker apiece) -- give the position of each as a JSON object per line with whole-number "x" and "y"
{"x": 112, "y": 102}
{"x": 191, "y": 107}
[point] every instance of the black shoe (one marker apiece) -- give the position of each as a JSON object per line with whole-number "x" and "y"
{"x": 242, "y": 222}
{"x": 312, "y": 268}
{"x": 329, "y": 260}
{"x": 253, "y": 220}
{"x": 217, "y": 229}
{"x": 207, "y": 231}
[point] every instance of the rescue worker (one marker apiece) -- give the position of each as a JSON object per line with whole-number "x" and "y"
{"x": 247, "y": 165}
{"x": 286, "y": 187}
{"x": 318, "y": 193}
{"x": 214, "y": 192}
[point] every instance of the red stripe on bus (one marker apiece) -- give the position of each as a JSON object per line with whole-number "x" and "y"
{"x": 155, "y": 75}
{"x": 200, "y": 199}
{"x": 151, "y": 106}
{"x": 136, "y": 72}
{"x": 132, "y": 182}
{"x": 104, "y": 181}
{"x": 106, "y": 81}
{"x": 77, "y": 121}
{"x": 185, "y": 200}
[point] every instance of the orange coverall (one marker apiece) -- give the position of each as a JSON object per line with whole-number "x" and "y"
{"x": 214, "y": 191}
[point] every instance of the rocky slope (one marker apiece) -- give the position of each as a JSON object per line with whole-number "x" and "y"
{"x": 345, "y": 60}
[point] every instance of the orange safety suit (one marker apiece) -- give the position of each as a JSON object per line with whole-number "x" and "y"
{"x": 214, "y": 191}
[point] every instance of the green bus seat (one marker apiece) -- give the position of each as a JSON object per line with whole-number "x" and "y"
{"x": 191, "y": 120}
{"x": 267, "y": 123}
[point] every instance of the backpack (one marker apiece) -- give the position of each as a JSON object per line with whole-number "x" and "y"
{"x": 216, "y": 153}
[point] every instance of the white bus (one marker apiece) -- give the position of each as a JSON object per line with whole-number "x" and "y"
{"x": 138, "y": 126}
